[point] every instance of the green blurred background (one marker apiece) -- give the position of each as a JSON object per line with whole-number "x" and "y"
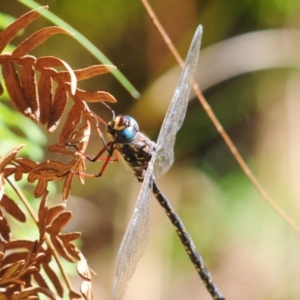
{"x": 249, "y": 74}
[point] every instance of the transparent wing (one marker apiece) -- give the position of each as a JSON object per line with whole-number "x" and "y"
{"x": 136, "y": 237}
{"x": 177, "y": 109}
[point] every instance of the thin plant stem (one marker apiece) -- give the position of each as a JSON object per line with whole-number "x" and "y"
{"x": 220, "y": 128}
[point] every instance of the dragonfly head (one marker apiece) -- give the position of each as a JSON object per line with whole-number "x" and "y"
{"x": 123, "y": 129}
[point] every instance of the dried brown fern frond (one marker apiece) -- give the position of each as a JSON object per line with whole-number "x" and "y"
{"x": 76, "y": 132}
{"x": 22, "y": 88}
{"x": 21, "y": 261}
{"x": 40, "y": 91}
{"x": 41, "y": 100}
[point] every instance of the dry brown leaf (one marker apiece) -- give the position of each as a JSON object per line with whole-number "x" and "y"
{"x": 12, "y": 208}
{"x": 72, "y": 250}
{"x": 67, "y": 185}
{"x": 94, "y": 119}
{"x": 49, "y": 170}
{"x": 1, "y": 89}
{"x": 45, "y": 94}
{"x": 16, "y": 244}
{"x": 41, "y": 188}
{"x": 74, "y": 295}
{"x": 54, "y": 279}
{"x": 27, "y": 59}
{"x": 32, "y": 293}
{"x": 12, "y": 30}
{"x": 26, "y": 164}
{"x": 43, "y": 209}
{"x": 81, "y": 168}
{"x": 31, "y": 177}
{"x": 2, "y": 246}
{"x": 86, "y": 290}
{"x": 31, "y": 269}
{"x": 28, "y": 81}
{"x": 14, "y": 88}
{"x": 52, "y": 61}
{"x": 39, "y": 279}
{"x": 28, "y": 267}
{"x": 73, "y": 77}
{"x": 12, "y": 271}
{"x": 13, "y": 257}
{"x": 49, "y": 61}
{"x": 37, "y": 39}
{"x": 73, "y": 164}
{"x": 73, "y": 119}
{"x": 83, "y": 269}
{"x": 42, "y": 215}
{"x": 4, "y": 227}
{"x": 81, "y": 136}
{"x": 69, "y": 237}
{"x": 86, "y": 73}
{"x": 40, "y": 257}
{"x": 60, "y": 222}
{"x": 1, "y": 185}
{"x": 54, "y": 211}
{"x": 61, "y": 249}
{"x": 58, "y": 107}
{"x": 98, "y": 96}
{"x": 47, "y": 175}
{"x": 7, "y": 172}
{"x": 9, "y": 157}
{"x": 18, "y": 173}
{"x": 60, "y": 148}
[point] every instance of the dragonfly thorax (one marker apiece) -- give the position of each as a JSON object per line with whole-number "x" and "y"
{"x": 135, "y": 147}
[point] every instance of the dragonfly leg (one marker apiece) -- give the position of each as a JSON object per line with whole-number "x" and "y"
{"x": 108, "y": 159}
{"x": 109, "y": 148}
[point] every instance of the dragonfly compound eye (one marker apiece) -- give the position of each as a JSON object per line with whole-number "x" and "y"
{"x": 123, "y": 129}
{"x": 129, "y": 121}
{"x": 126, "y": 135}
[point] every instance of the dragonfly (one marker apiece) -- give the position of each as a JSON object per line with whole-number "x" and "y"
{"x": 150, "y": 160}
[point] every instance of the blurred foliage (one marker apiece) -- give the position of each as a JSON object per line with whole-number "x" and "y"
{"x": 250, "y": 251}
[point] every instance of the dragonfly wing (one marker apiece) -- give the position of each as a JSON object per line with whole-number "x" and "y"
{"x": 136, "y": 237}
{"x": 177, "y": 108}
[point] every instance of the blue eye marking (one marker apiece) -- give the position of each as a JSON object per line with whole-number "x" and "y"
{"x": 124, "y": 129}
{"x": 126, "y": 135}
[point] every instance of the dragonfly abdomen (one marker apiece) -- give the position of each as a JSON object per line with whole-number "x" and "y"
{"x": 187, "y": 242}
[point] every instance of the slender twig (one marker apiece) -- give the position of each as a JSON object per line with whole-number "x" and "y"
{"x": 220, "y": 128}
{"x": 35, "y": 218}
